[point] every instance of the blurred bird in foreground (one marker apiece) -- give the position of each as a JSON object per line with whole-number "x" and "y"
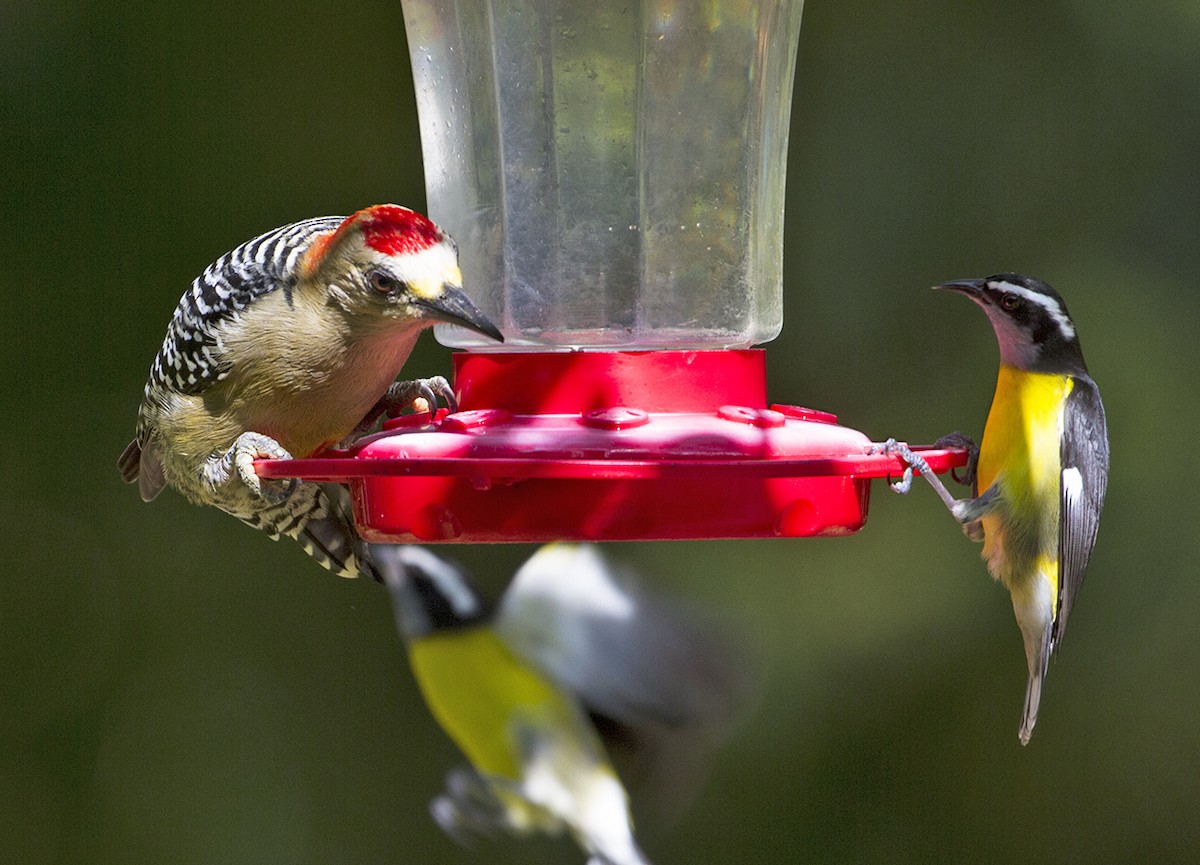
{"x": 1043, "y": 465}
{"x": 572, "y": 659}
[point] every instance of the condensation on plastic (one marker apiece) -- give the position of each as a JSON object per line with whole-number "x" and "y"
{"x": 613, "y": 172}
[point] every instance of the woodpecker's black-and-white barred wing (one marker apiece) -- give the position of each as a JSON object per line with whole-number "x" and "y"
{"x": 1082, "y": 485}
{"x": 192, "y": 357}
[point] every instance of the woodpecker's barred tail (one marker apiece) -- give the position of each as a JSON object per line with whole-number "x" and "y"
{"x": 319, "y": 518}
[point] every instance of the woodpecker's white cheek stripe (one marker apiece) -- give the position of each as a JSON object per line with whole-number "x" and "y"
{"x": 426, "y": 271}
{"x": 1047, "y": 303}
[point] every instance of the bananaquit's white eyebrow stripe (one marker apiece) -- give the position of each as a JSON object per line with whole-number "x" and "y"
{"x": 1052, "y": 306}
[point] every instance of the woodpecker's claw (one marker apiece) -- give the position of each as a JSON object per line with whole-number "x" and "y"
{"x": 404, "y": 394}
{"x": 251, "y": 446}
{"x": 890, "y": 447}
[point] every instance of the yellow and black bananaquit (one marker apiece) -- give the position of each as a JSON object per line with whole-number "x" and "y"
{"x": 532, "y": 688}
{"x": 1042, "y": 465}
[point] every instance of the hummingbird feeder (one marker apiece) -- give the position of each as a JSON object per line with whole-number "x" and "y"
{"x": 614, "y": 174}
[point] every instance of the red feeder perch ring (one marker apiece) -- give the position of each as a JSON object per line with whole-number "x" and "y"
{"x": 656, "y": 445}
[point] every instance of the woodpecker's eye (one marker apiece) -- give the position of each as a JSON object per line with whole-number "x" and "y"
{"x": 1010, "y": 301}
{"x": 381, "y": 282}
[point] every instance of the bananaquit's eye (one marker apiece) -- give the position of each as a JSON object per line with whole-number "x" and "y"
{"x": 1010, "y": 301}
{"x": 381, "y": 282}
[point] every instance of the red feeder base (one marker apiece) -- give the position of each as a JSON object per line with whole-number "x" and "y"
{"x": 661, "y": 445}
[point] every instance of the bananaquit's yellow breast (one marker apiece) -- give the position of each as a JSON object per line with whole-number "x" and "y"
{"x": 1021, "y": 448}
{"x": 479, "y": 692}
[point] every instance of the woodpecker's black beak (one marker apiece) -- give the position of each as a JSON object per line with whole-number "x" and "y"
{"x": 972, "y": 288}
{"x": 454, "y": 307}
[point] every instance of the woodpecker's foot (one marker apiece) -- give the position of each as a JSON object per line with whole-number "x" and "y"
{"x": 420, "y": 394}
{"x": 965, "y": 442}
{"x": 469, "y": 809}
{"x": 251, "y": 446}
{"x": 405, "y": 394}
{"x": 914, "y": 461}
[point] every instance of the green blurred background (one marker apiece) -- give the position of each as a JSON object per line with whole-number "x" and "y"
{"x": 178, "y": 689}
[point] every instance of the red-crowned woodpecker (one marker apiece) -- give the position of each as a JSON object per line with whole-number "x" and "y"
{"x": 286, "y": 346}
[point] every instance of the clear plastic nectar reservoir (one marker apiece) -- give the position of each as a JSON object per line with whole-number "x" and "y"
{"x": 613, "y": 172}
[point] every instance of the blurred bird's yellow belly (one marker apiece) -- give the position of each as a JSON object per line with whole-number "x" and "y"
{"x": 480, "y": 693}
{"x": 1021, "y": 451}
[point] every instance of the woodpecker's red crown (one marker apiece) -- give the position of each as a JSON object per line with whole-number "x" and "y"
{"x": 394, "y": 230}
{"x": 387, "y": 229}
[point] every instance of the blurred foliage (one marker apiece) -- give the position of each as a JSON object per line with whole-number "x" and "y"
{"x": 178, "y": 689}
